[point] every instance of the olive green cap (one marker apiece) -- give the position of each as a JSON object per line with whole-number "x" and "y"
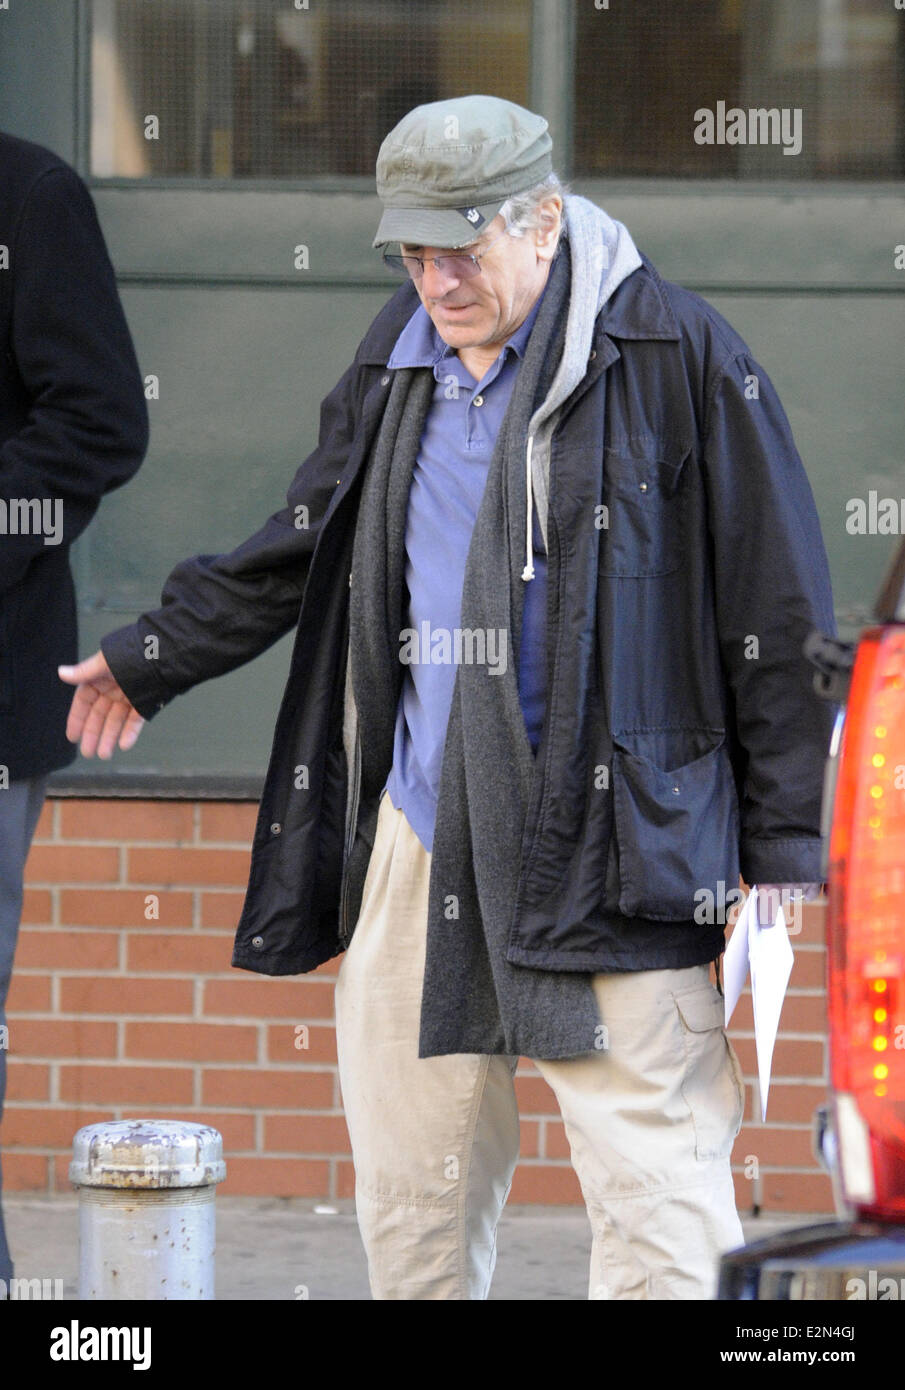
{"x": 447, "y": 168}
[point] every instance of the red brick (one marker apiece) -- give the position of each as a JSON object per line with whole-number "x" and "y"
{"x": 72, "y": 864}
{"x": 189, "y": 954}
{"x": 547, "y": 1183}
{"x": 221, "y": 910}
{"x": 529, "y": 1139}
{"x": 277, "y": 1177}
{"x": 228, "y": 822}
{"x": 793, "y": 1102}
{"x": 57, "y": 1037}
{"x": 164, "y": 867}
{"x": 282, "y": 1038}
{"x": 126, "y": 820}
{"x": 28, "y": 994}
{"x": 25, "y": 1172}
{"x": 804, "y": 1192}
{"x": 775, "y": 1148}
{"x": 801, "y": 1013}
{"x": 127, "y": 1085}
{"x": 191, "y": 1042}
{"x": 37, "y": 907}
{"x": 45, "y": 1127}
{"x": 114, "y": 994}
{"x": 345, "y": 1179}
{"x": 809, "y": 968}
{"x": 44, "y": 827}
{"x": 27, "y": 1081}
{"x": 269, "y": 998}
{"x": 791, "y": 1057}
{"x": 67, "y": 950}
{"x": 302, "y": 1134}
{"x": 123, "y": 907}
{"x": 556, "y": 1144}
{"x": 237, "y": 1128}
{"x": 534, "y": 1096}
{"x": 276, "y": 1090}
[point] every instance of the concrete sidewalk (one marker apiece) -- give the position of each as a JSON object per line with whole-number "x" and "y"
{"x": 275, "y": 1248}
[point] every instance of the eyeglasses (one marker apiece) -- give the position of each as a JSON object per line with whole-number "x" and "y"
{"x": 460, "y": 265}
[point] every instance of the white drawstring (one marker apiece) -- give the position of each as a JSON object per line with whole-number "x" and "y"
{"x": 528, "y": 571}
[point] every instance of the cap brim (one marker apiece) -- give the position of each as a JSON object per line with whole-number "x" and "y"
{"x": 445, "y": 227}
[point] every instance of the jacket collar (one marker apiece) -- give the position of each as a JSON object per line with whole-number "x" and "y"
{"x": 639, "y": 308}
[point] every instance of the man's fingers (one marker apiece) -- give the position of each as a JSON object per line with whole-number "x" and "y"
{"x": 134, "y": 726}
{"x": 92, "y": 668}
{"x": 96, "y": 711}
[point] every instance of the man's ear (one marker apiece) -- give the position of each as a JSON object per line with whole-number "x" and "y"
{"x": 546, "y": 237}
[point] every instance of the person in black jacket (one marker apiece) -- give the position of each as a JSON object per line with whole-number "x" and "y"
{"x": 73, "y": 425}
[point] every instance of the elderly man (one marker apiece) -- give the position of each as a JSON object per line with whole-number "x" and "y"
{"x": 550, "y": 568}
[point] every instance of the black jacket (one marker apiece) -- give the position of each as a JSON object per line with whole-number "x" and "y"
{"x": 73, "y": 425}
{"x": 683, "y": 739}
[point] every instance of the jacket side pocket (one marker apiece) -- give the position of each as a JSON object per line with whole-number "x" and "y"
{"x": 676, "y": 832}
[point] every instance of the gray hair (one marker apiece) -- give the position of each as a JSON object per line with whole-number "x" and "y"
{"x": 522, "y": 212}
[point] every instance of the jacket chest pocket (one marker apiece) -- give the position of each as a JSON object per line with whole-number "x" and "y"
{"x": 643, "y": 531}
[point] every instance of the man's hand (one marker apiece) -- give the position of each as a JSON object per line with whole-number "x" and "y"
{"x": 771, "y": 896}
{"x": 101, "y": 713}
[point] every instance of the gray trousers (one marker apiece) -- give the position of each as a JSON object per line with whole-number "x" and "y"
{"x": 20, "y": 806}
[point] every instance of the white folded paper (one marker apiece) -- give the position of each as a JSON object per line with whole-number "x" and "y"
{"x": 767, "y": 953}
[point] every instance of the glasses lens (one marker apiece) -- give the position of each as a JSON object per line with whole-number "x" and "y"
{"x": 402, "y": 265}
{"x": 458, "y": 267}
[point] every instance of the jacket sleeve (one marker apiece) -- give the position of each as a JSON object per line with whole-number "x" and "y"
{"x": 219, "y": 611}
{"x": 772, "y": 588}
{"x": 87, "y": 426}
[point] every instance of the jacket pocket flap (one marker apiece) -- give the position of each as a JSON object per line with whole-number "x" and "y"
{"x": 701, "y": 1012}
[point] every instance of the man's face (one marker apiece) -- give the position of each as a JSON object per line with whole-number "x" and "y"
{"x": 484, "y": 311}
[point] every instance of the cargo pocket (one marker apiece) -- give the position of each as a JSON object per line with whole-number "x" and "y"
{"x": 713, "y": 1087}
{"x": 644, "y": 533}
{"x": 676, "y": 833}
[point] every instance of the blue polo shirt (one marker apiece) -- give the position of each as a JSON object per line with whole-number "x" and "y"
{"x": 447, "y": 486}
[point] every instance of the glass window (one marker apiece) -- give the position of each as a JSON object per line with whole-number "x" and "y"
{"x": 723, "y": 88}
{"x": 683, "y": 89}
{"x": 276, "y": 89}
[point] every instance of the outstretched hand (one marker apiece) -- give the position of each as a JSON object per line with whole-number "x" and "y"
{"x": 101, "y": 714}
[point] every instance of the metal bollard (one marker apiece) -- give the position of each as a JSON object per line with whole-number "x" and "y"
{"x": 146, "y": 1208}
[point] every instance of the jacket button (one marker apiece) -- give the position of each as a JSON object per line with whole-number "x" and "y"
{"x": 275, "y": 828}
{"x": 593, "y": 354}
{"x": 257, "y": 941}
{"x": 385, "y": 380}
{"x": 676, "y": 790}
{"x": 642, "y": 487}
{"x": 478, "y": 400}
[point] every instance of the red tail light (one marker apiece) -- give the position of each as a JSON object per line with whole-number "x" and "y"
{"x": 867, "y": 930}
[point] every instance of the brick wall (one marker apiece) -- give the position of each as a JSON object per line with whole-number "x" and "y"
{"x": 115, "y": 1013}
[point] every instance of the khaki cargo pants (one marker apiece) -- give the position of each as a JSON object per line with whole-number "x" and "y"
{"x": 650, "y": 1121}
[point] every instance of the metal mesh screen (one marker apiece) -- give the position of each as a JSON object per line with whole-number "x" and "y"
{"x": 644, "y": 72}
{"x": 259, "y": 88}
{"x": 263, "y": 89}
